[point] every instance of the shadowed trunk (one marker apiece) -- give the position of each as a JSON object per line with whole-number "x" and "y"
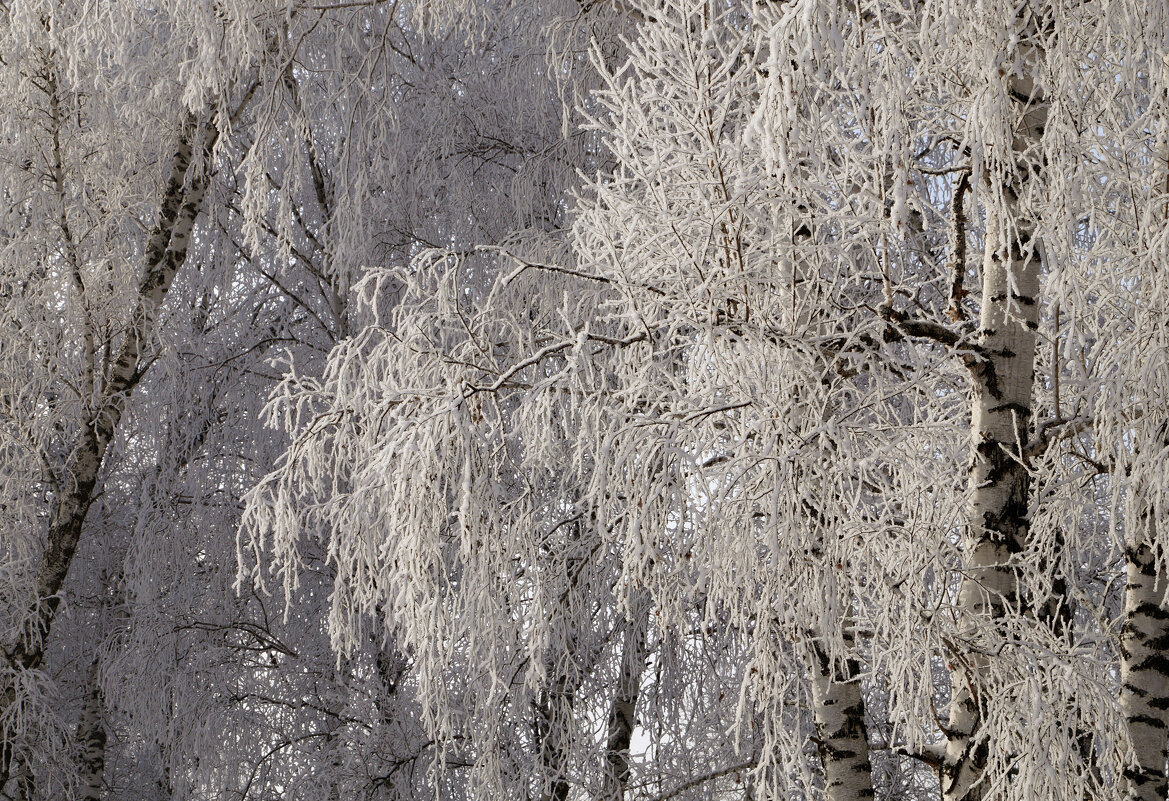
{"x": 622, "y": 712}
{"x": 553, "y": 715}
{"x": 91, "y": 735}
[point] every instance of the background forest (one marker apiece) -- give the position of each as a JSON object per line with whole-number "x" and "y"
{"x": 631, "y": 400}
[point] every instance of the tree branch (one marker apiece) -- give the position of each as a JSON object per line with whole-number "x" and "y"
{"x": 707, "y": 777}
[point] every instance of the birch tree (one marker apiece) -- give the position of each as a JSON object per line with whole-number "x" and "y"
{"x": 852, "y": 226}
{"x": 94, "y": 240}
{"x": 668, "y": 400}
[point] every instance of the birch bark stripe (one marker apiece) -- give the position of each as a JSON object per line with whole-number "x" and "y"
{"x": 838, "y": 708}
{"x": 998, "y": 522}
{"x": 1144, "y": 674}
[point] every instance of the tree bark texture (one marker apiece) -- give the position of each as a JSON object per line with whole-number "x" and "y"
{"x": 998, "y": 519}
{"x": 1144, "y": 673}
{"x": 838, "y": 709}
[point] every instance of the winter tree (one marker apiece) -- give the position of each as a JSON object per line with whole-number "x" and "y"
{"x": 94, "y": 237}
{"x": 853, "y": 356}
{"x": 658, "y": 399}
{"x": 145, "y": 299}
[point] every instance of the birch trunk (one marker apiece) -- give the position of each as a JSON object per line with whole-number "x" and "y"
{"x": 166, "y": 250}
{"x": 553, "y": 713}
{"x": 91, "y": 735}
{"x": 622, "y": 712}
{"x": 554, "y": 704}
{"x": 1144, "y": 638}
{"x": 1144, "y": 674}
{"x": 998, "y": 520}
{"x": 838, "y": 709}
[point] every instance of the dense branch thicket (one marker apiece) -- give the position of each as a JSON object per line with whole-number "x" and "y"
{"x": 640, "y": 400}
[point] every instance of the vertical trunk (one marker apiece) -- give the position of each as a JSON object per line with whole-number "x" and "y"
{"x": 997, "y": 526}
{"x": 622, "y": 713}
{"x": 838, "y": 708}
{"x": 1057, "y": 613}
{"x": 998, "y": 520}
{"x": 553, "y": 713}
{"x": 1144, "y": 674}
{"x": 164, "y": 785}
{"x": 91, "y": 736}
{"x": 838, "y": 704}
{"x": 1144, "y": 638}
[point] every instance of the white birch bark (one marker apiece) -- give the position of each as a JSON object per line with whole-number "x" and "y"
{"x": 998, "y": 518}
{"x": 838, "y": 708}
{"x": 1144, "y": 636}
{"x": 1144, "y": 674}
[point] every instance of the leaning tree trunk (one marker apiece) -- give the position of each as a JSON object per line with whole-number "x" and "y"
{"x": 1002, "y": 379}
{"x": 166, "y": 250}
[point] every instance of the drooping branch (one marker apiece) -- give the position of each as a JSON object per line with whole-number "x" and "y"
{"x": 711, "y": 776}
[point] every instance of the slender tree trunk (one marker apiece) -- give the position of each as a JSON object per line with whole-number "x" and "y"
{"x": 166, "y": 250}
{"x": 553, "y": 713}
{"x": 838, "y": 709}
{"x": 1144, "y": 674}
{"x": 998, "y": 521}
{"x": 91, "y": 735}
{"x": 622, "y": 712}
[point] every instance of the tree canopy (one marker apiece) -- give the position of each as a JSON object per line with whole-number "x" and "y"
{"x": 642, "y": 400}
